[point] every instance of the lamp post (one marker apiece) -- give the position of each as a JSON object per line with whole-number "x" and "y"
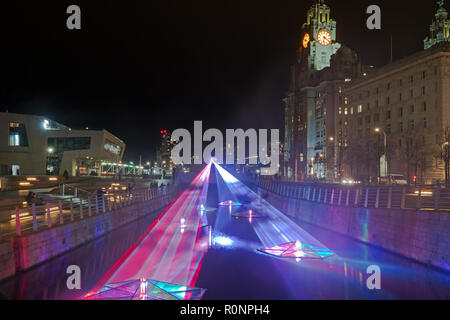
{"x": 331, "y": 158}
{"x": 378, "y": 130}
{"x": 446, "y": 157}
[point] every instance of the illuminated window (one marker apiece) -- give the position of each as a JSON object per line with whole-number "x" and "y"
{"x": 17, "y": 135}
{"x": 360, "y": 108}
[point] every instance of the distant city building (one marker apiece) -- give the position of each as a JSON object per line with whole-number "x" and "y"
{"x": 164, "y": 154}
{"x": 315, "y": 104}
{"x": 35, "y": 145}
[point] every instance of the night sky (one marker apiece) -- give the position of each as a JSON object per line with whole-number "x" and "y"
{"x": 137, "y": 67}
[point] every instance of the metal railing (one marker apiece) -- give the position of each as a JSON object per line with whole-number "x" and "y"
{"x": 34, "y": 218}
{"x": 423, "y": 198}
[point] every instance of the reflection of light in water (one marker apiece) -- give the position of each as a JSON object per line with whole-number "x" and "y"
{"x": 223, "y": 241}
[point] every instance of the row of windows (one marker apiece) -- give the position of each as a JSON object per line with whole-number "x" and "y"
{"x": 389, "y": 85}
{"x": 411, "y": 125}
{"x": 388, "y": 101}
{"x": 388, "y": 113}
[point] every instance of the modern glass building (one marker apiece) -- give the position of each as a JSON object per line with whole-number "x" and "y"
{"x": 35, "y": 145}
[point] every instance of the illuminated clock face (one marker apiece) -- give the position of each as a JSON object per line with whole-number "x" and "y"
{"x": 305, "y": 40}
{"x": 324, "y": 37}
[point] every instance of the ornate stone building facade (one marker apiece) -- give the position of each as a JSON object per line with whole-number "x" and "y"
{"x": 314, "y": 104}
{"x": 400, "y": 112}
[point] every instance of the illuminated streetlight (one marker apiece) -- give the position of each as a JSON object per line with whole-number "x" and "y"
{"x": 50, "y": 150}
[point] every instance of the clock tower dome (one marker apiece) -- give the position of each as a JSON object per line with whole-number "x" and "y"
{"x": 318, "y": 37}
{"x": 440, "y": 27}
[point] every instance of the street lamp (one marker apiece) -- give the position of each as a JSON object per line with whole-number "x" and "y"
{"x": 378, "y": 130}
{"x": 446, "y": 157}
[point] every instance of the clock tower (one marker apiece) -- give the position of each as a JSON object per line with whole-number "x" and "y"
{"x": 318, "y": 37}
{"x": 440, "y": 27}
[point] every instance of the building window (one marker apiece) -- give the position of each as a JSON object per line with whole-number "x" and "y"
{"x": 423, "y": 91}
{"x": 400, "y": 126}
{"x": 400, "y": 143}
{"x": 400, "y": 97}
{"x": 376, "y": 103}
{"x": 360, "y": 108}
{"x": 17, "y": 135}
{"x": 388, "y": 128}
{"x": 388, "y": 86}
{"x": 368, "y": 106}
{"x": 411, "y": 109}
{"x": 411, "y": 79}
{"x": 388, "y": 115}
{"x": 411, "y": 93}
{"x": 59, "y": 146}
{"x": 424, "y": 107}
{"x": 376, "y": 117}
{"x": 388, "y": 100}
{"x": 400, "y": 112}
{"x": 425, "y": 123}
{"x": 411, "y": 124}
{"x": 400, "y": 82}
{"x": 367, "y": 119}
{"x": 424, "y": 75}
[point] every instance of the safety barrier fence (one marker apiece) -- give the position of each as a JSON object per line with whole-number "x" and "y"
{"x": 424, "y": 198}
{"x": 35, "y": 218}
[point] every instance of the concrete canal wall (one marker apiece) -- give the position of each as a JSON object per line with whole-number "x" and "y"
{"x": 22, "y": 253}
{"x": 420, "y": 235}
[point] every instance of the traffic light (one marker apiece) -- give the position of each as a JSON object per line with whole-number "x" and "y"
{"x": 414, "y": 178}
